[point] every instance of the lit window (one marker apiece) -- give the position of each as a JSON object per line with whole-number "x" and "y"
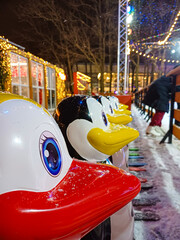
{"x": 51, "y": 87}
{"x": 19, "y": 74}
{"x": 37, "y": 82}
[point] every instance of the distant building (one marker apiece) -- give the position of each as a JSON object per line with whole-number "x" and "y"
{"x": 31, "y": 76}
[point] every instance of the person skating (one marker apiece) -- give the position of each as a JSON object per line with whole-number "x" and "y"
{"x": 157, "y": 97}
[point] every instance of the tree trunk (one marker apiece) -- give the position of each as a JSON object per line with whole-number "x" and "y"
{"x": 90, "y": 66}
{"x": 133, "y": 71}
{"x": 110, "y": 81}
{"x": 152, "y": 71}
{"x": 102, "y": 78}
{"x": 147, "y": 75}
{"x": 162, "y": 62}
{"x": 70, "y": 74}
{"x": 137, "y": 72}
{"x": 144, "y": 82}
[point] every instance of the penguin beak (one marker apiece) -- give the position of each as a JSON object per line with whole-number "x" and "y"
{"x": 86, "y": 196}
{"x": 122, "y": 106}
{"x": 112, "y": 140}
{"x": 122, "y": 111}
{"x": 119, "y": 118}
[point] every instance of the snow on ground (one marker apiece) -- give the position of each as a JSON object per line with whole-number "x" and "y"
{"x": 163, "y": 171}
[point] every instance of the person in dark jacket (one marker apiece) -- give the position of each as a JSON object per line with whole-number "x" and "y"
{"x": 157, "y": 97}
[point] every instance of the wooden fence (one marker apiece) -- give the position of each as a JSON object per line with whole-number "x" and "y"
{"x": 174, "y": 120}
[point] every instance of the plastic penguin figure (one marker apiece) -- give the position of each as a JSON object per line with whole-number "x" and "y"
{"x": 80, "y": 109}
{"x": 87, "y": 130}
{"x": 109, "y": 108}
{"x": 44, "y": 193}
{"x": 118, "y": 107}
{"x": 122, "y": 222}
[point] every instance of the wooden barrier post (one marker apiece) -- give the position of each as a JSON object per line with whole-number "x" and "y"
{"x": 170, "y": 131}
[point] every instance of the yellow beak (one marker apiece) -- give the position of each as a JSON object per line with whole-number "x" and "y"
{"x": 122, "y": 106}
{"x": 122, "y": 111}
{"x": 112, "y": 140}
{"x": 119, "y": 118}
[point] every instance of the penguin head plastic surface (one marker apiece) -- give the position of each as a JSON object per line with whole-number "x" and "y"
{"x": 41, "y": 185}
{"x": 76, "y": 116}
{"x": 90, "y": 133}
{"x": 117, "y": 107}
{"x": 118, "y": 117}
{"x": 30, "y": 139}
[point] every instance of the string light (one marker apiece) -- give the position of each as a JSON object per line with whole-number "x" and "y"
{"x": 7, "y": 48}
{"x": 170, "y": 31}
{"x": 152, "y": 57}
{"x": 81, "y": 78}
{"x": 158, "y": 43}
{"x": 156, "y": 36}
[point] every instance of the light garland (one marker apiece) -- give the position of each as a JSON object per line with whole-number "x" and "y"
{"x": 7, "y": 48}
{"x": 81, "y": 78}
{"x": 170, "y": 31}
{"x": 159, "y": 43}
{"x": 156, "y": 36}
{"x": 60, "y": 84}
{"x": 152, "y": 57}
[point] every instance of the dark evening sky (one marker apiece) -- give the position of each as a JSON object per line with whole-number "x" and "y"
{"x": 8, "y": 20}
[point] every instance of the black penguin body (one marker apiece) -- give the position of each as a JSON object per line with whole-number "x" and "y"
{"x": 67, "y": 111}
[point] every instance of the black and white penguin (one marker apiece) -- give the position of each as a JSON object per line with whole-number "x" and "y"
{"x": 119, "y": 118}
{"x": 44, "y": 193}
{"x": 122, "y": 222}
{"x": 118, "y": 107}
{"x": 87, "y": 130}
{"x": 77, "y": 116}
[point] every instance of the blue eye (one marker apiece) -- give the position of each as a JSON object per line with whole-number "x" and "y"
{"x": 116, "y": 105}
{"x": 104, "y": 118}
{"x": 111, "y": 109}
{"x": 51, "y": 155}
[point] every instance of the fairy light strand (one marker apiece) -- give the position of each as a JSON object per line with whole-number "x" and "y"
{"x": 170, "y": 31}
{"x": 7, "y": 48}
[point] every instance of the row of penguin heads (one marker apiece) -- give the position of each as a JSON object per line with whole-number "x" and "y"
{"x": 43, "y": 190}
{"x": 82, "y": 119}
{"x": 31, "y": 140}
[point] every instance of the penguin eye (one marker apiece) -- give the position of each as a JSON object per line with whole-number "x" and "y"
{"x": 104, "y": 119}
{"x": 111, "y": 109}
{"x": 116, "y": 105}
{"x": 50, "y": 153}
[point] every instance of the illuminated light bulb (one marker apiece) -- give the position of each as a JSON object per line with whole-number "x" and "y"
{"x": 62, "y": 76}
{"x": 129, "y": 19}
